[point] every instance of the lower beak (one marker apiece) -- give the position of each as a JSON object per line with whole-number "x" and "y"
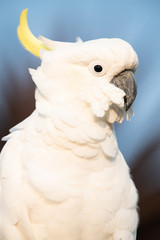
{"x": 126, "y": 81}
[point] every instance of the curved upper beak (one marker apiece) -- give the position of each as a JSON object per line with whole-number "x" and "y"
{"x": 126, "y": 81}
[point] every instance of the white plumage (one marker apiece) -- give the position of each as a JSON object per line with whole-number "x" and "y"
{"x": 63, "y": 176}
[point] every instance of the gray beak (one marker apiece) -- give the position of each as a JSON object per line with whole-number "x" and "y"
{"x": 126, "y": 81}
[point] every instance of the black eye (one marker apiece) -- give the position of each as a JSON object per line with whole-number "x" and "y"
{"x": 98, "y": 68}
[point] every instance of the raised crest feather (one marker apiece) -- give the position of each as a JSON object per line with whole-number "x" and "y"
{"x": 28, "y": 40}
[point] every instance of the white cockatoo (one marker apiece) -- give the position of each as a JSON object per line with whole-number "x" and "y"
{"x": 62, "y": 174}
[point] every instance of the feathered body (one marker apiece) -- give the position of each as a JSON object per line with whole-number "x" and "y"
{"x": 62, "y": 174}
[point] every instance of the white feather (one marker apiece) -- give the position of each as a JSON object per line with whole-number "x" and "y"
{"x": 62, "y": 174}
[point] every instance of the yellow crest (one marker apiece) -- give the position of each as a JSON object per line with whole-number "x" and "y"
{"x": 28, "y": 40}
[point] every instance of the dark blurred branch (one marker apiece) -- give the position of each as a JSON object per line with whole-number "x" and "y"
{"x": 149, "y": 218}
{"x": 18, "y": 96}
{"x": 146, "y": 174}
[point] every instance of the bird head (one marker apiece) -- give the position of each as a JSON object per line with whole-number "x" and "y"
{"x": 97, "y": 74}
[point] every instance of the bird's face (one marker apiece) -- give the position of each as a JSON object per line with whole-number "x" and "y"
{"x": 99, "y": 73}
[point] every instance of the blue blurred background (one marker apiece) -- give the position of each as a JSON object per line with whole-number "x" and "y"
{"x": 135, "y": 21}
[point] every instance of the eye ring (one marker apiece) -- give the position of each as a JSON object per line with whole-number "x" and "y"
{"x": 97, "y": 68}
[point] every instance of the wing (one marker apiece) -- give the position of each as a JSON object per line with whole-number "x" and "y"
{"x": 14, "y": 218}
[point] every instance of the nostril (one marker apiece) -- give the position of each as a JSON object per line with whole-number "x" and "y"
{"x": 125, "y": 99}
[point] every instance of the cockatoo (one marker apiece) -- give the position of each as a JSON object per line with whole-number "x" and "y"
{"x": 62, "y": 174}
